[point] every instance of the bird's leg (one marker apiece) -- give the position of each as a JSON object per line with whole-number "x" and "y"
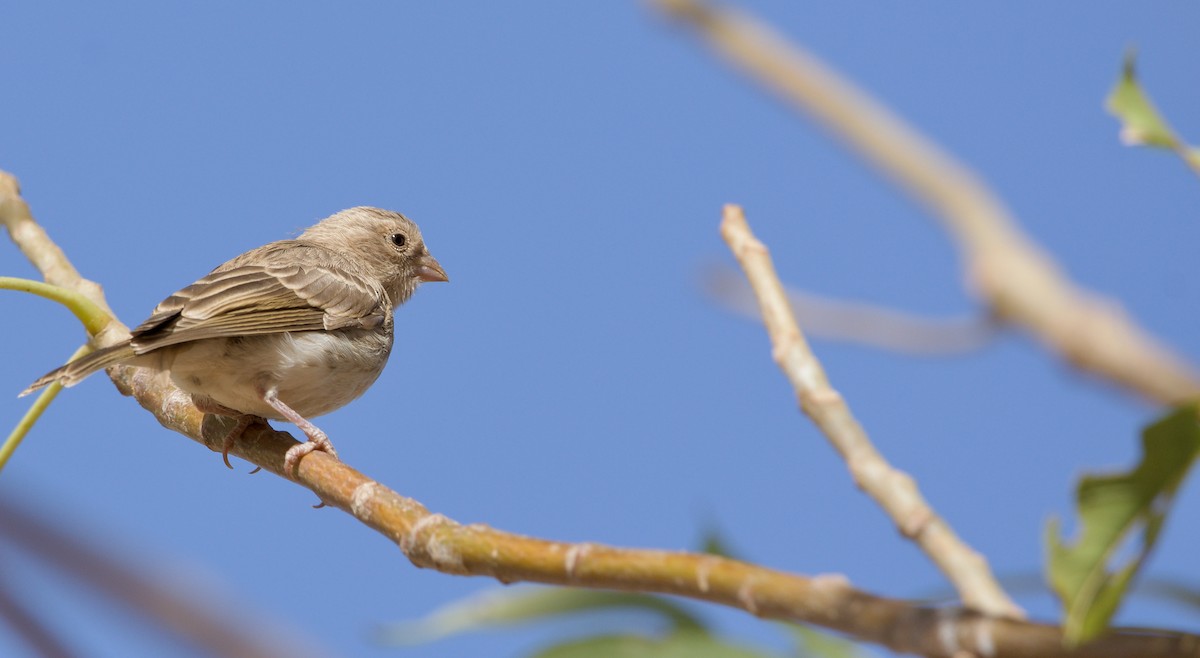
{"x": 317, "y": 440}
{"x": 244, "y": 421}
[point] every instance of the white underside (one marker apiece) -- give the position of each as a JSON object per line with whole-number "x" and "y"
{"x": 313, "y": 372}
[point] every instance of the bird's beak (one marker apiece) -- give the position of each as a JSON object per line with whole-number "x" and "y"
{"x": 429, "y": 270}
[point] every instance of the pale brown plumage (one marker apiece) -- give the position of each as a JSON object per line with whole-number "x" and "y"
{"x": 288, "y": 331}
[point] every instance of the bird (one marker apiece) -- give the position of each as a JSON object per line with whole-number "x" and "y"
{"x": 289, "y": 331}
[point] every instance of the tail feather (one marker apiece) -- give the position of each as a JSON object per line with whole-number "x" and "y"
{"x": 73, "y": 372}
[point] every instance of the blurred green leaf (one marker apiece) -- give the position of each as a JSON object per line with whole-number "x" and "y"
{"x": 815, "y": 643}
{"x": 686, "y": 644}
{"x": 509, "y": 607}
{"x": 687, "y": 634}
{"x": 714, "y": 542}
{"x": 1192, "y": 155}
{"x": 1141, "y": 122}
{"x": 1111, "y": 509}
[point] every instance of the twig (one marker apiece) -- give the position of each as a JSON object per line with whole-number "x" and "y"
{"x": 1017, "y": 280}
{"x": 93, "y": 317}
{"x": 27, "y": 421}
{"x": 895, "y": 491}
{"x": 32, "y": 240}
{"x": 434, "y": 541}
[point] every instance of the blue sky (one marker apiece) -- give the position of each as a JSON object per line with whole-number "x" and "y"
{"x": 567, "y": 163}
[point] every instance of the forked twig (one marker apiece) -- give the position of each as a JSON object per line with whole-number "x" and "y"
{"x": 896, "y": 492}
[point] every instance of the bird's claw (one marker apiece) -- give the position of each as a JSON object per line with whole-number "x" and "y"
{"x": 316, "y": 441}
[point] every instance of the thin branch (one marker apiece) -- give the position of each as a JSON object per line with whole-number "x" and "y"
{"x": 895, "y": 491}
{"x": 93, "y": 317}
{"x": 433, "y": 541}
{"x": 17, "y": 435}
{"x": 32, "y": 240}
{"x": 1020, "y": 283}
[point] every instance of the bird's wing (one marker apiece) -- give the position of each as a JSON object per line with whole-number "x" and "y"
{"x": 283, "y": 286}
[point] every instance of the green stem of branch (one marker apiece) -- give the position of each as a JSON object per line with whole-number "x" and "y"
{"x": 26, "y": 423}
{"x": 94, "y": 318}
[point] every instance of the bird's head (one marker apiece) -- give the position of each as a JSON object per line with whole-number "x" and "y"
{"x": 385, "y": 243}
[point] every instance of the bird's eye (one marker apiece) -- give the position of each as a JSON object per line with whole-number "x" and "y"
{"x": 399, "y": 239}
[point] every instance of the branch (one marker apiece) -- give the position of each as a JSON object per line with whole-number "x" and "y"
{"x": 1020, "y": 284}
{"x": 18, "y": 433}
{"x": 37, "y": 635}
{"x": 49, "y": 259}
{"x": 857, "y": 322}
{"x": 895, "y": 491}
{"x": 433, "y": 541}
{"x": 207, "y": 625}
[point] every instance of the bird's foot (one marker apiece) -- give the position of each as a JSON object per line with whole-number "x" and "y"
{"x": 243, "y": 424}
{"x": 244, "y": 421}
{"x": 317, "y": 440}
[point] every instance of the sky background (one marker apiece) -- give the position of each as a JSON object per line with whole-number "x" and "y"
{"x": 567, "y": 163}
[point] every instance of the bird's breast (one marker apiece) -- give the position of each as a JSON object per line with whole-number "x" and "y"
{"x": 313, "y": 372}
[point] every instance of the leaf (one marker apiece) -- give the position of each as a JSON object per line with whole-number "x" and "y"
{"x": 713, "y": 542}
{"x": 688, "y": 635}
{"x": 685, "y": 644}
{"x": 1111, "y": 509}
{"x": 1141, "y": 124}
{"x": 1191, "y": 155}
{"x": 814, "y": 643}
{"x": 509, "y": 607}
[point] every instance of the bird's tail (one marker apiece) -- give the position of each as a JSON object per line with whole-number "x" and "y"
{"x": 73, "y": 372}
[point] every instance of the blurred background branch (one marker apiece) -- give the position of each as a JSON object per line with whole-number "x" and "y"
{"x": 1020, "y": 284}
{"x": 28, "y": 625}
{"x": 590, "y": 143}
{"x": 434, "y": 541}
{"x": 221, "y": 628}
{"x": 860, "y": 323}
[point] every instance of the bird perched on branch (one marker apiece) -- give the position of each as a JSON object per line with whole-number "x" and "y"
{"x": 288, "y": 331}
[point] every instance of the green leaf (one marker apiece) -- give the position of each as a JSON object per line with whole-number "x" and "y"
{"x": 815, "y": 643}
{"x": 684, "y": 644}
{"x": 1111, "y": 510}
{"x": 1141, "y": 124}
{"x": 1191, "y": 155}
{"x": 713, "y": 542}
{"x": 509, "y": 607}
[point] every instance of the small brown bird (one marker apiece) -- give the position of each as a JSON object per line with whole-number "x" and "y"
{"x": 288, "y": 331}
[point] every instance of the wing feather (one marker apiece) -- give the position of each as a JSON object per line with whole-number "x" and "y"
{"x": 283, "y": 286}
